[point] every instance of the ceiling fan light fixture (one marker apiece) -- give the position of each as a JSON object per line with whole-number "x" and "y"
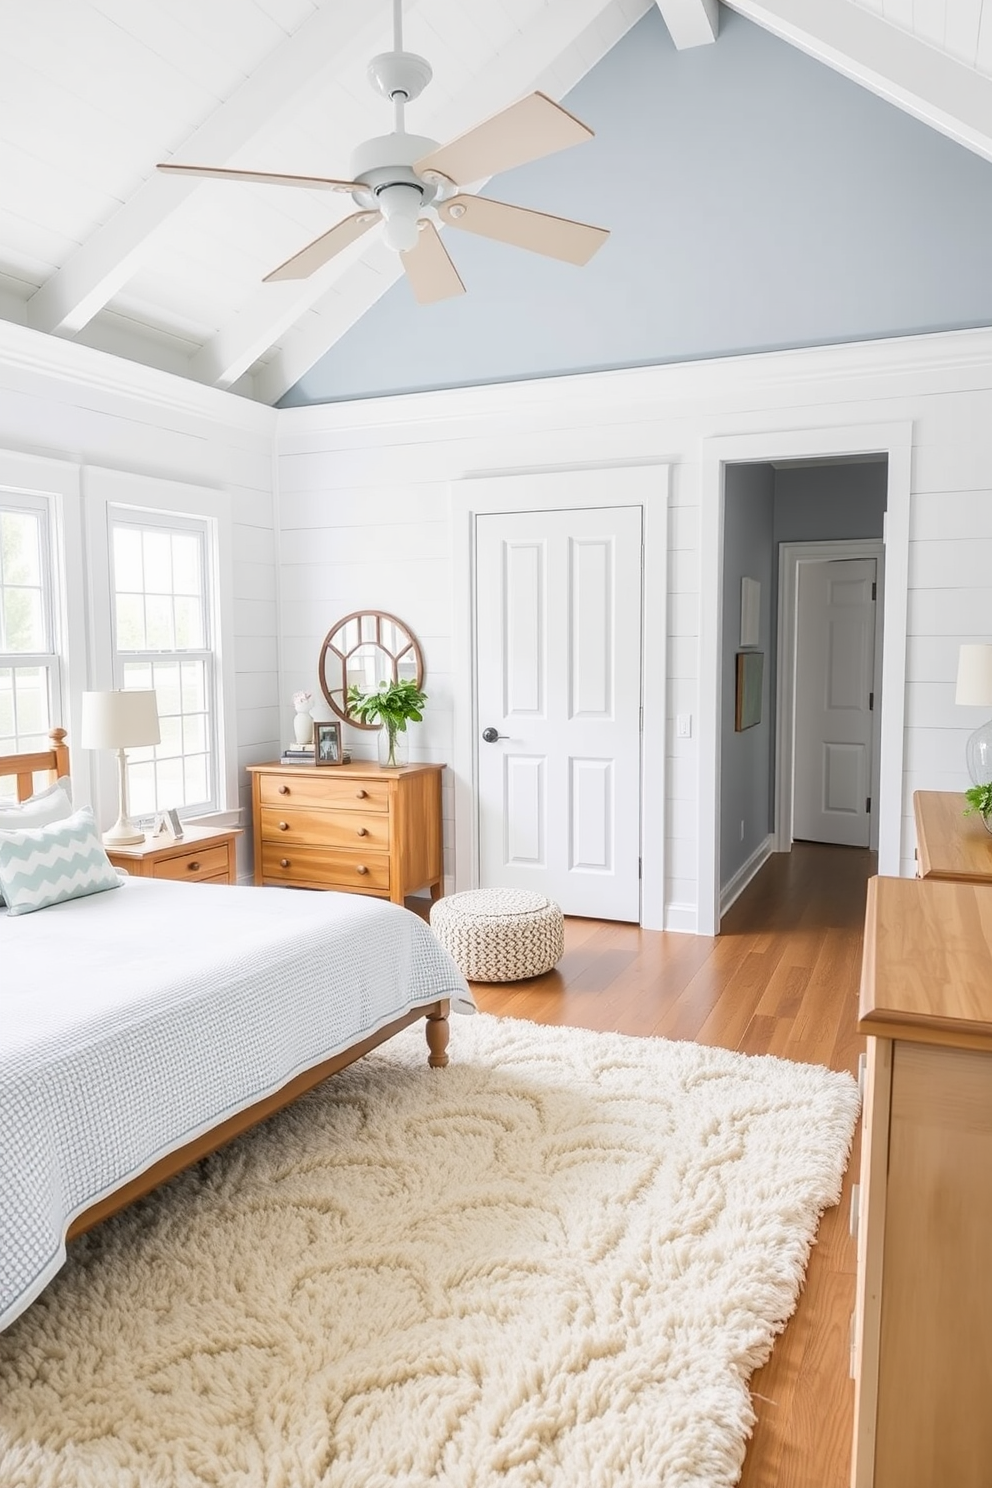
{"x": 400, "y": 206}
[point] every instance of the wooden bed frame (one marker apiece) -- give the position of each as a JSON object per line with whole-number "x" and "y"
{"x": 55, "y": 762}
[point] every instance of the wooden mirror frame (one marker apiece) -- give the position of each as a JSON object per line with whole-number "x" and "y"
{"x": 332, "y": 658}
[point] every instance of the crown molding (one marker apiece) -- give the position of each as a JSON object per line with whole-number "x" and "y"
{"x": 26, "y": 350}
{"x": 964, "y": 358}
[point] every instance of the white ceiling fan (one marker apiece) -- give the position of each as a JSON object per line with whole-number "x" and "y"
{"x": 409, "y": 182}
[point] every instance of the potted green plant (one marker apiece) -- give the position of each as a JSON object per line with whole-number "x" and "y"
{"x": 979, "y": 799}
{"x": 392, "y": 705}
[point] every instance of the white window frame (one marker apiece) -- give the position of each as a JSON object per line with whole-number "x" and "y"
{"x": 165, "y": 502}
{"x": 51, "y": 659}
{"x": 142, "y": 520}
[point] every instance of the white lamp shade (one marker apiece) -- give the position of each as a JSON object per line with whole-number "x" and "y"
{"x": 120, "y": 720}
{"x": 974, "y": 687}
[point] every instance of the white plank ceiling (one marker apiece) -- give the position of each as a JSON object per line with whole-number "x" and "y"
{"x": 96, "y": 245}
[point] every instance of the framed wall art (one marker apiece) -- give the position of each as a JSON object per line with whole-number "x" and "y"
{"x": 750, "y": 612}
{"x": 750, "y": 669}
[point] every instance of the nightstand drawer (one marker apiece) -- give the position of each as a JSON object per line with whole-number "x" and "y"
{"x": 369, "y": 830}
{"x": 194, "y": 866}
{"x": 341, "y": 794}
{"x": 330, "y": 868}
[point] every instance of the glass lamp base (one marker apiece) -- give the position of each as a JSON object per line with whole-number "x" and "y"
{"x": 978, "y": 754}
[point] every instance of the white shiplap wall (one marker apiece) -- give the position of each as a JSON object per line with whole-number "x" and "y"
{"x": 363, "y": 499}
{"x": 79, "y": 407}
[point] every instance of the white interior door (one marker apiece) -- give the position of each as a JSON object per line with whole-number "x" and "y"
{"x": 558, "y": 669}
{"x": 835, "y": 649}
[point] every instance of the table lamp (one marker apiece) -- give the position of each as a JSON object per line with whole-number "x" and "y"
{"x": 974, "y": 690}
{"x": 120, "y": 720}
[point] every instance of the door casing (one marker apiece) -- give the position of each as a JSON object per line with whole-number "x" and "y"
{"x": 644, "y": 485}
{"x": 895, "y": 440}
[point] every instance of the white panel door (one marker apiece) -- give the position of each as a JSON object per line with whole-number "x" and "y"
{"x": 558, "y": 667}
{"x": 835, "y": 652}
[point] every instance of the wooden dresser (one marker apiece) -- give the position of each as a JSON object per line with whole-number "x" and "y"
{"x": 948, "y": 843}
{"x": 355, "y": 827}
{"x": 923, "y": 1322}
{"x": 201, "y": 855}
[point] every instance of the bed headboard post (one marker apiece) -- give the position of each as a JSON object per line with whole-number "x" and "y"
{"x": 60, "y": 749}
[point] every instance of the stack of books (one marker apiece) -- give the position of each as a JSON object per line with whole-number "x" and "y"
{"x": 297, "y": 754}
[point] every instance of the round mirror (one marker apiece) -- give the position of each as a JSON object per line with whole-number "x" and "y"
{"x": 363, "y": 650}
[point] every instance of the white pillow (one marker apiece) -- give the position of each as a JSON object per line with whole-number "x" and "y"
{"x": 52, "y": 804}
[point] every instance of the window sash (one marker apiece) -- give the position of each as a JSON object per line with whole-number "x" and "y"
{"x": 162, "y": 776}
{"x": 14, "y": 736}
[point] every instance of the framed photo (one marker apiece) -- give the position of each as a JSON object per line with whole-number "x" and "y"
{"x": 750, "y": 667}
{"x": 167, "y": 824}
{"x": 327, "y": 744}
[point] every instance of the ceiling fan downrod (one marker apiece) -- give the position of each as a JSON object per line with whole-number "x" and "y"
{"x": 398, "y": 75}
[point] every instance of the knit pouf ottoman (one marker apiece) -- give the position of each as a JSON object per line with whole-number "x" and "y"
{"x": 499, "y": 935}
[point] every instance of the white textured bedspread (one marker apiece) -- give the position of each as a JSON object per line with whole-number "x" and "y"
{"x": 133, "y": 1020}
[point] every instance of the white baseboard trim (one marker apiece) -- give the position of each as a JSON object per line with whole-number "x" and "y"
{"x": 682, "y": 918}
{"x": 746, "y": 872}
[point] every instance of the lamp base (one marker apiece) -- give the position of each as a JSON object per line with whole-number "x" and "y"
{"x": 122, "y": 834}
{"x": 978, "y": 754}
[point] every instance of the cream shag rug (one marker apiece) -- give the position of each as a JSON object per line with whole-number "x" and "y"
{"x": 555, "y": 1263}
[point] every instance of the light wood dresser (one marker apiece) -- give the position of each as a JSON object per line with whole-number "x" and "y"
{"x": 356, "y": 827}
{"x": 948, "y": 843}
{"x": 201, "y": 855}
{"x": 922, "y": 1354}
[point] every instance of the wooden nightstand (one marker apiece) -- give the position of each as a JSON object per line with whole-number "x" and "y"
{"x": 203, "y": 855}
{"x": 950, "y": 844}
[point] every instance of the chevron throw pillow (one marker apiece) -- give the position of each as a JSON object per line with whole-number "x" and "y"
{"x": 46, "y": 865}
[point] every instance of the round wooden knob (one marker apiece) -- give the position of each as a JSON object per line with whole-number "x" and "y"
{"x": 363, "y": 831}
{"x": 284, "y": 790}
{"x": 361, "y": 868}
{"x": 361, "y": 794}
{"x": 284, "y": 826}
{"x": 193, "y": 867}
{"x": 283, "y": 862}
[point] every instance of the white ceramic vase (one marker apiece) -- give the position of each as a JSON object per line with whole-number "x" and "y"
{"x": 303, "y": 726}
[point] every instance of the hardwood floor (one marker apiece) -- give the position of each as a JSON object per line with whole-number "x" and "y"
{"x": 781, "y": 979}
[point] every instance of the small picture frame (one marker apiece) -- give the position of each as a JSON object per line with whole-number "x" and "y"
{"x": 167, "y": 824}
{"x": 327, "y": 744}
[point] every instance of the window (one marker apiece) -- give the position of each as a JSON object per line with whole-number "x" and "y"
{"x": 30, "y": 694}
{"x": 162, "y": 639}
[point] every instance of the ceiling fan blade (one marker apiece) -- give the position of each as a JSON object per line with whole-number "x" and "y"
{"x": 557, "y": 237}
{"x": 323, "y": 249}
{"x": 264, "y": 178}
{"x": 429, "y": 269}
{"x": 527, "y": 130}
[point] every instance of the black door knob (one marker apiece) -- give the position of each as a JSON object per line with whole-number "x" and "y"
{"x": 491, "y": 735}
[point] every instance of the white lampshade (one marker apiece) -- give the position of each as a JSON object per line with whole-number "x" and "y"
{"x": 974, "y": 688}
{"x": 120, "y": 720}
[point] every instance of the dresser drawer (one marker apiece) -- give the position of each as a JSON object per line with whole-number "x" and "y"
{"x": 307, "y": 828}
{"x": 340, "y": 794}
{"x": 326, "y": 866}
{"x": 195, "y": 865}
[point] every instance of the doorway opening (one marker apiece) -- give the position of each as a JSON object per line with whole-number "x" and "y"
{"x": 802, "y": 597}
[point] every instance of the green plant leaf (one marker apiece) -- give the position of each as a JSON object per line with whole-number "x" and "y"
{"x": 979, "y": 798}
{"x": 391, "y": 704}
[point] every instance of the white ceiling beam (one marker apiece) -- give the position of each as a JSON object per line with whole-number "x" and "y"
{"x": 946, "y": 94}
{"x": 322, "y": 46}
{"x": 691, "y": 23}
{"x": 525, "y": 64}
